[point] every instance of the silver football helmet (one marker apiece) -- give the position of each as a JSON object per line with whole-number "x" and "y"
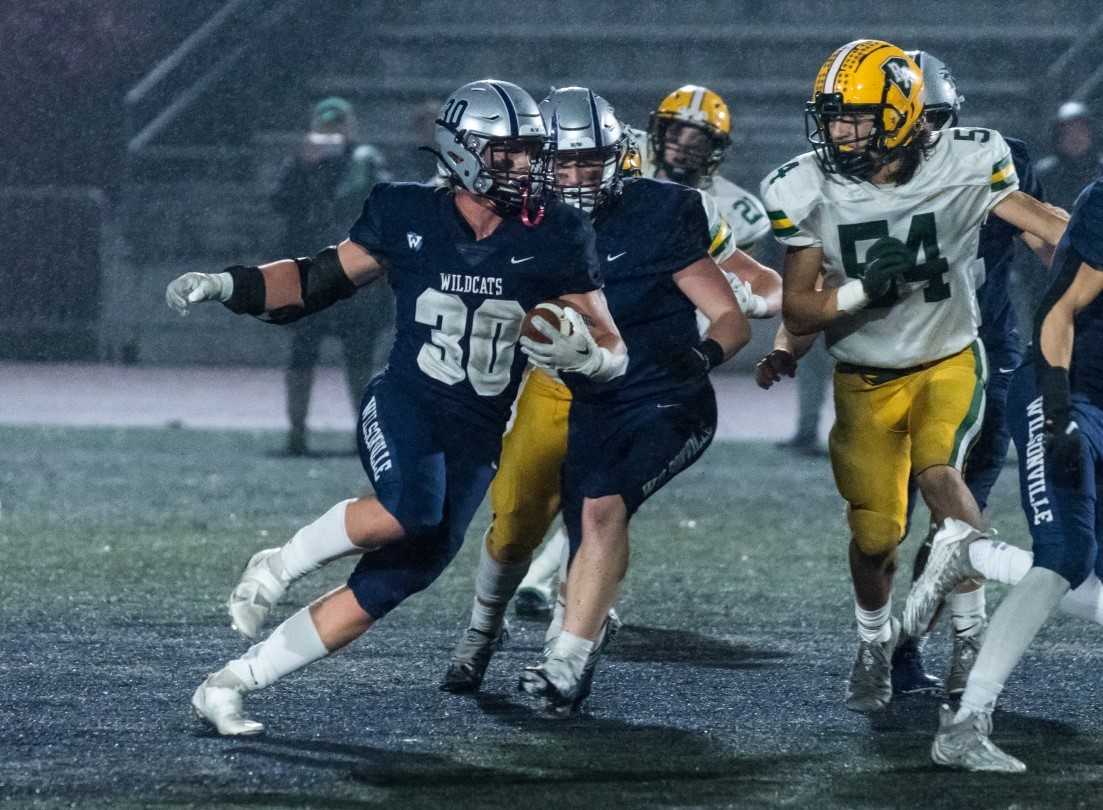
{"x": 481, "y": 127}
{"x": 941, "y": 99}
{"x": 587, "y": 147}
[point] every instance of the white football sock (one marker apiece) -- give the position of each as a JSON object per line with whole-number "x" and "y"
{"x": 545, "y": 566}
{"x": 967, "y": 610}
{"x": 874, "y": 625}
{"x": 314, "y": 545}
{"x": 495, "y": 584}
{"x": 999, "y": 562}
{"x": 292, "y": 645}
{"x": 1015, "y": 624}
{"x": 1086, "y": 602}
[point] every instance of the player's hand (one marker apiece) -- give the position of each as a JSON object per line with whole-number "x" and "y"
{"x": 751, "y": 304}
{"x": 887, "y": 260}
{"x": 1062, "y": 443}
{"x": 576, "y": 351}
{"x": 692, "y": 362}
{"x": 192, "y": 288}
{"x": 769, "y": 369}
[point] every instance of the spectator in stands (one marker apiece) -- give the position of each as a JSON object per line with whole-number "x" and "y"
{"x": 320, "y": 193}
{"x": 1076, "y": 160}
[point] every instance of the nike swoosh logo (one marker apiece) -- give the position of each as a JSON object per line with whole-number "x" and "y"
{"x": 515, "y": 260}
{"x": 583, "y": 353}
{"x": 1005, "y": 370}
{"x": 609, "y": 257}
{"x": 673, "y": 405}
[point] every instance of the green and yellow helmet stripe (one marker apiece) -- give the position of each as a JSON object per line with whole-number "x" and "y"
{"x": 1003, "y": 174}
{"x": 782, "y": 225}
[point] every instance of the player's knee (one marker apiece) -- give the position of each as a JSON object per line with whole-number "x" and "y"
{"x": 603, "y": 514}
{"x": 876, "y": 534}
{"x": 511, "y": 541}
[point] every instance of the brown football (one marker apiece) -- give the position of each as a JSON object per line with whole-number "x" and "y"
{"x": 550, "y": 311}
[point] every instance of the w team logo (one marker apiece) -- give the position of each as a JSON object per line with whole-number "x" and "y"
{"x": 414, "y": 240}
{"x": 898, "y": 72}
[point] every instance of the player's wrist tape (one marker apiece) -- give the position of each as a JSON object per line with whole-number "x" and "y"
{"x": 851, "y": 297}
{"x": 246, "y": 290}
{"x": 712, "y": 351}
{"x": 1053, "y": 382}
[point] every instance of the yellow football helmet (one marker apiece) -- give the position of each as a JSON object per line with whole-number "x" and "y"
{"x": 689, "y": 133}
{"x": 864, "y": 80}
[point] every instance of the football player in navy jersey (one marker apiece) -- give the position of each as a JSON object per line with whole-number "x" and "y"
{"x": 1055, "y": 410}
{"x": 627, "y": 439}
{"x": 465, "y": 262}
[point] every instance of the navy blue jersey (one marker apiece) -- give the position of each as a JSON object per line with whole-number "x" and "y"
{"x": 653, "y": 230}
{"x": 459, "y": 302}
{"x": 1083, "y": 243}
{"x": 997, "y": 250}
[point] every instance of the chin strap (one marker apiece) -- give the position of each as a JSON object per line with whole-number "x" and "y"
{"x": 525, "y": 220}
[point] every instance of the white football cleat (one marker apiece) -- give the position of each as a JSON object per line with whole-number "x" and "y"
{"x": 220, "y": 706}
{"x": 947, "y": 567}
{"x": 965, "y": 745}
{"x": 255, "y": 595}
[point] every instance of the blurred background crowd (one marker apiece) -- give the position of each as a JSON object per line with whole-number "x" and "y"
{"x": 142, "y": 140}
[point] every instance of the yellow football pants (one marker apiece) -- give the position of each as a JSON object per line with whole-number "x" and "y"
{"x": 524, "y": 496}
{"x": 889, "y": 426}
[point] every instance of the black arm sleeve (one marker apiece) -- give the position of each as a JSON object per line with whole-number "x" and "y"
{"x": 322, "y": 283}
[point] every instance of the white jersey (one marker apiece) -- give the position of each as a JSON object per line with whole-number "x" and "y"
{"x": 736, "y": 218}
{"x": 938, "y": 214}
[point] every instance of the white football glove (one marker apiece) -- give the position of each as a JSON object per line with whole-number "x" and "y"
{"x": 753, "y": 306}
{"x": 191, "y": 288}
{"x": 577, "y": 352}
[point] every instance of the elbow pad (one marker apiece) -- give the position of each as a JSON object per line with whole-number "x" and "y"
{"x": 322, "y": 283}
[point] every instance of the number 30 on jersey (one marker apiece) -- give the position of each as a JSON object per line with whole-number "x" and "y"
{"x": 495, "y": 327}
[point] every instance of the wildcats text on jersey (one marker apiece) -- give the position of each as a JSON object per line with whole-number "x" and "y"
{"x": 477, "y": 285}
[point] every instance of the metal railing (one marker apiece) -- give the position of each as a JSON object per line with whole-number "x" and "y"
{"x": 1065, "y": 79}
{"x": 207, "y": 55}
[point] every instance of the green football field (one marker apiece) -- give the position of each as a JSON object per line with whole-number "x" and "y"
{"x": 119, "y": 547}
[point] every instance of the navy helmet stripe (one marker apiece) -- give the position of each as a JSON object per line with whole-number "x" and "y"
{"x": 510, "y": 109}
{"x": 598, "y": 140}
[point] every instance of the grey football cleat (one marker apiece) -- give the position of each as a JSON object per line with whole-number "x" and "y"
{"x": 471, "y": 657}
{"x": 947, "y": 567}
{"x": 965, "y": 745}
{"x": 220, "y": 705}
{"x": 256, "y": 593}
{"x": 966, "y": 650}
{"x": 555, "y": 680}
{"x": 870, "y": 686}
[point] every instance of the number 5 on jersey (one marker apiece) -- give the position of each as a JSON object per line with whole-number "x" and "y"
{"x": 922, "y": 233}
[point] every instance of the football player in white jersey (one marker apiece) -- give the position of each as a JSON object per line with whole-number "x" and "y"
{"x": 686, "y": 140}
{"x": 888, "y": 213}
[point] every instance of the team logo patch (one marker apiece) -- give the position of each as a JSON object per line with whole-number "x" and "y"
{"x": 414, "y": 240}
{"x": 898, "y": 72}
